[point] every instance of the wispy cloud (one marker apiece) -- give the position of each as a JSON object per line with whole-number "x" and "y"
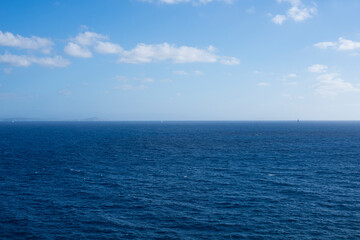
{"x": 181, "y": 72}
{"x": 317, "y": 68}
{"x": 80, "y": 46}
{"x": 195, "y": 2}
{"x": 76, "y": 50}
{"x": 325, "y": 45}
{"x": 331, "y": 84}
{"x": 342, "y": 45}
{"x": 279, "y": 19}
{"x": 146, "y": 53}
{"x": 134, "y": 79}
{"x": 133, "y": 83}
{"x": 184, "y": 73}
{"x": 297, "y": 12}
{"x": 8, "y": 39}
{"x": 43, "y": 45}
{"x": 293, "y": 97}
{"x": 88, "y": 38}
{"x": 129, "y": 87}
{"x": 25, "y": 60}
{"x": 290, "y": 75}
{"x": 198, "y": 73}
{"x": 345, "y": 44}
{"x": 288, "y": 79}
{"x": 108, "y": 48}
{"x": 83, "y": 44}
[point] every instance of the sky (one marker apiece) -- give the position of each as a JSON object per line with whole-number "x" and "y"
{"x": 180, "y": 60}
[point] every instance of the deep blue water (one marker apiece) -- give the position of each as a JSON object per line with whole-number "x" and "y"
{"x": 180, "y": 180}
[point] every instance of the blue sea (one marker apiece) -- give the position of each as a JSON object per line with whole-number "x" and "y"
{"x": 180, "y": 180}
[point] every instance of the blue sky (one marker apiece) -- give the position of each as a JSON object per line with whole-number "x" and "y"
{"x": 180, "y": 59}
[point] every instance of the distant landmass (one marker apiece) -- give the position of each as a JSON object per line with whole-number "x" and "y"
{"x": 24, "y": 119}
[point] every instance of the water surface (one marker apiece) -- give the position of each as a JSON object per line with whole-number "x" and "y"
{"x": 180, "y": 180}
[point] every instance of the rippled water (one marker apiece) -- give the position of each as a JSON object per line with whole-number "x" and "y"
{"x": 180, "y": 180}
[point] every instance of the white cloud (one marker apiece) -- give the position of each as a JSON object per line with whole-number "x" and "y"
{"x": 25, "y": 61}
{"x": 342, "y": 45}
{"x": 291, "y": 75}
{"x": 108, "y": 48}
{"x": 134, "y": 79}
{"x": 76, "y": 50}
{"x": 184, "y": 73}
{"x": 345, "y": 44}
{"x": 286, "y": 79}
{"x": 263, "y": 84}
{"x": 330, "y": 84}
{"x": 325, "y": 45}
{"x": 297, "y": 12}
{"x": 79, "y": 46}
{"x": 181, "y": 72}
{"x": 56, "y": 61}
{"x": 125, "y": 87}
{"x": 88, "y": 38}
{"x": 229, "y": 60}
{"x": 317, "y": 68}
{"x": 279, "y": 19}
{"x": 44, "y": 45}
{"x": 148, "y": 80}
{"x": 15, "y": 60}
{"x": 128, "y": 87}
{"x": 144, "y": 53}
{"x": 8, "y": 39}
{"x": 198, "y": 73}
{"x": 196, "y": 2}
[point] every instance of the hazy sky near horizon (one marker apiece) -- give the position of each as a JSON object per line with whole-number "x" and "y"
{"x": 180, "y": 59}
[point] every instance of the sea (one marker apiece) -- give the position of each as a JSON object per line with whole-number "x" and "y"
{"x": 180, "y": 180}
